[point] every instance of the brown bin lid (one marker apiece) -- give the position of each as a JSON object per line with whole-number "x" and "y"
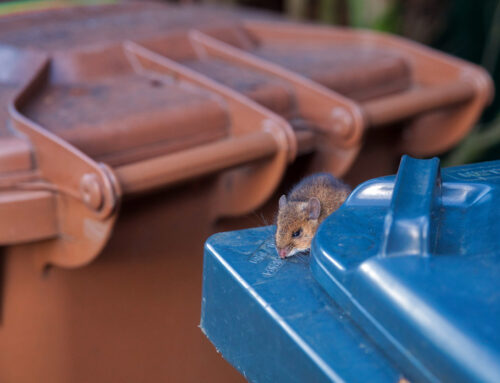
{"x": 94, "y": 99}
{"x": 127, "y": 118}
{"x": 357, "y": 73}
{"x": 360, "y": 73}
{"x": 121, "y": 116}
{"x": 97, "y": 102}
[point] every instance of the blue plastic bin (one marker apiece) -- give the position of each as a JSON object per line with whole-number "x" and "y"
{"x": 403, "y": 281}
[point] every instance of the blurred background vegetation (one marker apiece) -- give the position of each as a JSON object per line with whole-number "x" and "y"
{"x": 465, "y": 28}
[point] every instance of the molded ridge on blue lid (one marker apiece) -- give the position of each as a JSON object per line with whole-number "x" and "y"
{"x": 411, "y": 222}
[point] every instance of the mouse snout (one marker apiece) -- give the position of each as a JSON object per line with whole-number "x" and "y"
{"x": 282, "y": 252}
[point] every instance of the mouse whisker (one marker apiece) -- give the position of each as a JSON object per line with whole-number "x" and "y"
{"x": 261, "y": 214}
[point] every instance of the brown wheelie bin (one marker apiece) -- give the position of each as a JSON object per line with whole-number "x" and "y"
{"x": 128, "y": 131}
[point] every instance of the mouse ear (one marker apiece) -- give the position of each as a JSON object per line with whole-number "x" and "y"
{"x": 282, "y": 202}
{"x": 313, "y": 208}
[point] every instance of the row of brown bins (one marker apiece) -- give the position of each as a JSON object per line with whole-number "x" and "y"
{"x": 132, "y": 132}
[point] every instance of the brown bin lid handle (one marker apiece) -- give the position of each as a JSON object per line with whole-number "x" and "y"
{"x": 86, "y": 194}
{"x": 256, "y": 134}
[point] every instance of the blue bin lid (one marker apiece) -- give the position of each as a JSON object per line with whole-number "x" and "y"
{"x": 415, "y": 261}
{"x": 403, "y": 281}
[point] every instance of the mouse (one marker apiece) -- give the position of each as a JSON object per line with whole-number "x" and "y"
{"x": 299, "y": 214}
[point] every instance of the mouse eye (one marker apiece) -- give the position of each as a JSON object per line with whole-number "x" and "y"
{"x": 297, "y": 233}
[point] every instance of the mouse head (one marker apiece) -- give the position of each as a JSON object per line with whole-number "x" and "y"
{"x": 296, "y": 225}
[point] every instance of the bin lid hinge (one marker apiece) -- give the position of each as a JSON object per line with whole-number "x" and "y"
{"x": 78, "y": 197}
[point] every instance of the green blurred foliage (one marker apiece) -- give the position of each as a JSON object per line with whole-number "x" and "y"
{"x": 473, "y": 32}
{"x": 382, "y": 15}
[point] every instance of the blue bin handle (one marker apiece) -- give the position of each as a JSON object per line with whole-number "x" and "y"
{"x": 412, "y": 222}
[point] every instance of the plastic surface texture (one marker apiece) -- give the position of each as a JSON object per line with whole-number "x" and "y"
{"x": 410, "y": 270}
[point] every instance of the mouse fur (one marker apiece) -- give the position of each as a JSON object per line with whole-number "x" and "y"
{"x": 307, "y": 205}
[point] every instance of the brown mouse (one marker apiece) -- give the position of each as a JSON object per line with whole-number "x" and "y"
{"x": 308, "y": 204}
